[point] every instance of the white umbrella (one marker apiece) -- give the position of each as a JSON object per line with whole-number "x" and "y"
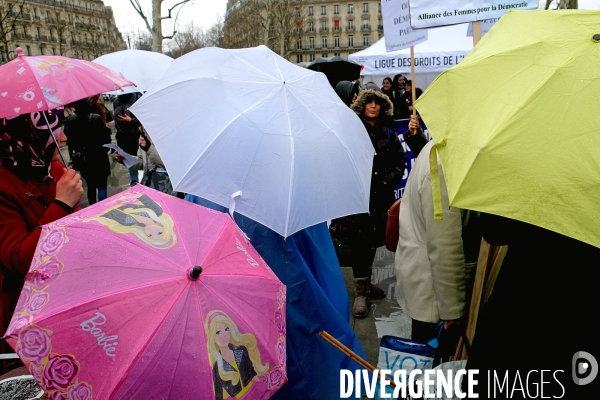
{"x": 251, "y": 131}
{"x": 139, "y": 66}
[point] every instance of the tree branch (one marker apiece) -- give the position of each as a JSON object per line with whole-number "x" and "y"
{"x": 138, "y": 8}
{"x": 172, "y": 8}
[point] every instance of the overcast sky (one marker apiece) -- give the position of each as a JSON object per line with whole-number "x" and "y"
{"x": 205, "y": 13}
{"x": 202, "y": 12}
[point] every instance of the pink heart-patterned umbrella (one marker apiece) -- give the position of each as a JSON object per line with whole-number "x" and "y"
{"x": 39, "y": 83}
{"x": 146, "y": 296}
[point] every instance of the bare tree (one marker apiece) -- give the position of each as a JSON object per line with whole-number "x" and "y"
{"x": 156, "y": 15}
{"x": 9, "y": 13}
{"x": 190, "y": 38}
{"x": 273, "y": 23}
{"x": 214, "y": 35}
{"x": 143, "y": 41}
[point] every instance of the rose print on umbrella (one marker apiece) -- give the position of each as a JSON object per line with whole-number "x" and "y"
{"x": 51, "y": 243}
{"x": 19, "y": 321}
{"x": 24, "y": 297}
{"x": 44, "y": 273}
{"x": 34, "y": 344}
{"x": 60, "y": 372}
{"x": 81, "y": 391}
{"x": 37, "y": 302}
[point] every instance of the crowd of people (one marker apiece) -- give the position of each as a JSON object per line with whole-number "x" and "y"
{"x": 434, "y": 258}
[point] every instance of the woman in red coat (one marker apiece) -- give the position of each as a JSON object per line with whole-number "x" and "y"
{"x": 29, "y": 197}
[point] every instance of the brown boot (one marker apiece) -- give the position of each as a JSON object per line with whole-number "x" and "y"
{"x": 375, "y": 292}
{"x": 360, "y": 309}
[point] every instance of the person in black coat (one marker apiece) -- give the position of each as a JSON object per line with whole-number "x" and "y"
{"x": 88, "y": 125}
{"x": 128, "y": 129}
{"x": 364, "y": 233}
{"x": 540, "y": 312}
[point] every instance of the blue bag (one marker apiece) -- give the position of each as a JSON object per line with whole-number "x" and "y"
{"x": 397, "y": 353}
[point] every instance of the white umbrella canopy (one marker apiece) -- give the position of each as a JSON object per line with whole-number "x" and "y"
{"x": 139, "y": 66}
{"x": 249, "y": 130}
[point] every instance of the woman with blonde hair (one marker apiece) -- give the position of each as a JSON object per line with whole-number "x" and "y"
{"x": 234, "y": 356}
{"x": 145, "y": 219}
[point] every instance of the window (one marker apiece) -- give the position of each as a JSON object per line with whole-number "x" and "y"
{"x": 366, "y": 7}
{"x": 379, "y": 4}
{"x": 324, "y": 55}
{"x": 299, "y": 44}
{"x": 53, "y": 51}
{"x": 47, "y": 14}
{"x": 336, "y": 41}
{"x": 336, "y": 9}
{"x": 35, "y": 13}
{"x": 298, "y": 58}
{"x": 350, "y": 9}
{"x": 324, "y": 41}
{"x": 41, "y": 50}
{"x": 350, "y": 24}
{"x": 336, "y": 25}
{"x": 365, "y": 23}
{"x": 323, "y": 26}
{"x": 311, "y": 43}
{"x": 350, "y": 41}
{"x": 298, "y": 26}
{"x": 28, "y": 50}
{"x": 311, "y": 26}
{"x": 312, "y": 57}
{"x": 365, "y": 40}
{"x": 70, "y": 18}
{"x": 39, "y": 35}
{"x": 336, "y": 54}
{"x": 323, "y": 10}
{"x": 310, "y": 11}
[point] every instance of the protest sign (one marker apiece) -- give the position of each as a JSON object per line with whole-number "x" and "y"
{"x": 401, "y": 127}
{"x": 396, "y": 24}
{"x": 429, "y": 13}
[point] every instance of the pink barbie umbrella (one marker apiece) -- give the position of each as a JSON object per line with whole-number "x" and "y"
{"x": 145, "y": 296}
{"x": 39, "y": 83}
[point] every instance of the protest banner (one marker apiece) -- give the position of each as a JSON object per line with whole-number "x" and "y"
{"x": 396, "y": 24}
{"x": 430, "y": 13}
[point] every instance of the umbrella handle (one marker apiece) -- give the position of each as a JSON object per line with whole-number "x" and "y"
{"x": 349, "y": 353}
{"x": 55, "y": 141}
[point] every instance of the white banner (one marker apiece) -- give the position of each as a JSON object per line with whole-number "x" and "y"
{"x": 429, "y": 13}
{"x": 396, "y": 25}
{"x": 424, "y": 62}
{"x": 486, "y": 25}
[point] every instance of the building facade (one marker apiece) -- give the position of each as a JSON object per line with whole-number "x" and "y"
{"x": 83, "y": 29}
{"x": 311, "y": 28}
{"x": 337, "y": 28}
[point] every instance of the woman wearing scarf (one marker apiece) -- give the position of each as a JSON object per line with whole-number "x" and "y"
{"x": 29, "y": 198}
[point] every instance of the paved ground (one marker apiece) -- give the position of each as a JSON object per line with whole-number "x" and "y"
{"x": 385, "y": 316}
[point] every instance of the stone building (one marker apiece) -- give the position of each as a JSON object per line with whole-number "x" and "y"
{"x": 82, "y": 29}
{"x": 310, "y": 28}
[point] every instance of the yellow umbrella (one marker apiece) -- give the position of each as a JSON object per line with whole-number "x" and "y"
{"x": 517, "y": 122}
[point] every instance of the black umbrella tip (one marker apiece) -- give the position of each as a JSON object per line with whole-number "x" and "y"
{"x": 195, "y": 272}
{"x": 596, "y": 37}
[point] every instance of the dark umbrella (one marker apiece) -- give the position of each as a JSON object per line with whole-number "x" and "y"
{"x": 336, "y": 69}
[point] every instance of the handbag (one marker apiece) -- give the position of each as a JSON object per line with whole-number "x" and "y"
{"x": 392, "y": 227}
{"x": 397, "y": 353}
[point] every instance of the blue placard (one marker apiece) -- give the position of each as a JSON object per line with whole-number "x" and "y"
{"x": 401, "y": 127}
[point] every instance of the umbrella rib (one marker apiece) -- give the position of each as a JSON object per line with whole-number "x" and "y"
{"x": 292, "y": 164}
{"x": 126, "y": 239}
{"x": 519, "y": 107}
{"x": 329, "y": 128}
{"x": 150, "y": 337}
{"x": 215, "y": 137}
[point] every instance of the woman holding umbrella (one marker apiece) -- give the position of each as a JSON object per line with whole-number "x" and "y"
{"x": 31, "y": 195}
{"x": 364, "y": 233}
